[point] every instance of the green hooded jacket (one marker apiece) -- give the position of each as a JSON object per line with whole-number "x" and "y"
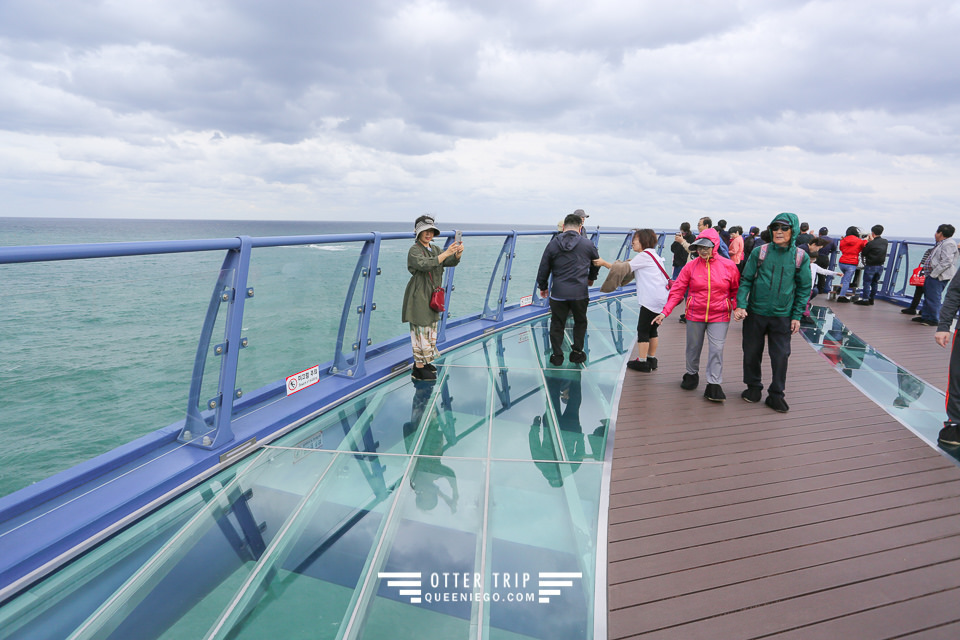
{"x": 778, "y": 287}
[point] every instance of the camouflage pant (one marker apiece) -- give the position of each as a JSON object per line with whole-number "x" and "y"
{"x": 424, "y": 341}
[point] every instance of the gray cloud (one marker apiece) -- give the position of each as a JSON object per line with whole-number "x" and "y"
{"x": 688, "y": 102}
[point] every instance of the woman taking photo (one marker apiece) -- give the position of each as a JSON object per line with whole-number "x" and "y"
{"x": 425, "y": 262}
{"x": 712, "y": 282}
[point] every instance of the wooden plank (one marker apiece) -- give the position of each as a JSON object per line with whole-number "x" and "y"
{"x": 731, "y": 520}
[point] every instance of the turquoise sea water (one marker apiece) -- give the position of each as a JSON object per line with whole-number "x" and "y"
{"x": 95, "y": 353}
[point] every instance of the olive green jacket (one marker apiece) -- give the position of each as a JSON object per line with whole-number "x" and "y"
{"x": 422, "y": 264}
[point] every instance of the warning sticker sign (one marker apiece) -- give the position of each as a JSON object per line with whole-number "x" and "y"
{"x": 302, "y": 380}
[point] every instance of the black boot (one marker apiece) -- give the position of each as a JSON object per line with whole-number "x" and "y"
{"x": 714, "y": 393}
{"x": 652, "y": 362}
{"x": 690, "y": 381}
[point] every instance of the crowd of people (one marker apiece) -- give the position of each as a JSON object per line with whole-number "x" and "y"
{"x": 764, "y": 278}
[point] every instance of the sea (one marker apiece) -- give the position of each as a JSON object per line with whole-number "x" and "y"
{"x": 96, "y": 353}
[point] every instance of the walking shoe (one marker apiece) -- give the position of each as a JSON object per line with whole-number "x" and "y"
{"x": 950, "y": 434}
{"x": 917, "y": 319}
{"x": 928, "y": 323}
{"x": 865, "y": 302}
{"x": 690, "y": 381}
{"x": 578, "y": 357}
{"x": 908, "y": 311}
{"x": 777, "y": 403}
{"x": 714, "y": 393}
{"x": 843, "y": 299}
{"x": 752, "y": 394}
{"x": 652, "y": 362}
{"x": 683, "y": 318}
{"x": 556, "y": 359}
{"x": 422, "y": 373}
{"x": 638, "y": 365}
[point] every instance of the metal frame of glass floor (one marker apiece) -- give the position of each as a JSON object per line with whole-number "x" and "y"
{"x": 470, "y": 507}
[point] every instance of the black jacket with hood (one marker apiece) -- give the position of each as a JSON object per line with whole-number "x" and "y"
{"x": 569, "y": 257}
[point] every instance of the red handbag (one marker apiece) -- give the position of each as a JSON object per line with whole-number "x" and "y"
{"x": 917, "y": 279}
{"x": 437, "y": 297}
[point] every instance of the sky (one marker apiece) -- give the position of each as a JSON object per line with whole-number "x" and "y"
{"x": 642, "y": 113}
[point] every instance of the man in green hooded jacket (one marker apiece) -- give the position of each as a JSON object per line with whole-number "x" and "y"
{"x": 774, "y": 289}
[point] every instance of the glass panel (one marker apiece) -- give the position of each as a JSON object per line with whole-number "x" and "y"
{"x": 465, "y": 483}
{"x": 542, "y": 525}
{"x": 59, "y": 604}
{"x": 292, "y": 321}
{"x": 104, "y": 373}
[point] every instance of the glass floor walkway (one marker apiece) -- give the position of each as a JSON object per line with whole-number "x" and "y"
{"x": 469, "y": 507}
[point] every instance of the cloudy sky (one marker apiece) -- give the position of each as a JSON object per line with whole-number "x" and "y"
{"x": 643, "y": 113}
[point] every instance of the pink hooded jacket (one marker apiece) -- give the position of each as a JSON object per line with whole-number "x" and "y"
{"x": 713, "y": 286}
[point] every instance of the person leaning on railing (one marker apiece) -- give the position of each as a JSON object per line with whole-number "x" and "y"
{"x": 425, "y": 262}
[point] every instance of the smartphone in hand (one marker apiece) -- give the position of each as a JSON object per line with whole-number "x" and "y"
{"x": 456, "y": 238}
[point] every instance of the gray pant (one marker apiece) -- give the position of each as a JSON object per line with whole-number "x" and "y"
{"x": 716, "y": 333}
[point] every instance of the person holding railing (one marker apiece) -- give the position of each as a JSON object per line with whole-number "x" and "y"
{"x": 850, "y": 246}
{"x": 425, "y": 262}
{"x": 652, "y": 288}
{"x": 874, "y": 255}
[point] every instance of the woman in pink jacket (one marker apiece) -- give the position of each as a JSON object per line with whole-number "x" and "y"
{"x": 712, "y": 282}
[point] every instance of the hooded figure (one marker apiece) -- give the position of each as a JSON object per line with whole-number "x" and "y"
{"x": 773, "y": 292}
{"x": 712, "y": 282}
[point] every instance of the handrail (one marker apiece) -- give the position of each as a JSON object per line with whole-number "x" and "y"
{"x": 208, "y": 421}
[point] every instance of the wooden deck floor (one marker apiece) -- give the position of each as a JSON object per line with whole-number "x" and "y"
{"x": 830, "y": 521}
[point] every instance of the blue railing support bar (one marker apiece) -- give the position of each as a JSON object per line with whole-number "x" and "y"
{"x": 350, "y": 363}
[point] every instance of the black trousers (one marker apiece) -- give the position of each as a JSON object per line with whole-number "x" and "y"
{"x": 559, "y": 310}
{"x": 953, "y": 383}
{"x": 758, "y": 329}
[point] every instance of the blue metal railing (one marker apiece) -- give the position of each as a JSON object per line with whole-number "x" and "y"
{"x": 208, "y": 420}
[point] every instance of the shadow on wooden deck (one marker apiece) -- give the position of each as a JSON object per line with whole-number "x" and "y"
{"x": 734, "y": 521}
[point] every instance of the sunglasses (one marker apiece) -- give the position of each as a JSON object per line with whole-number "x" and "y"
{"x": 776, "y": 226}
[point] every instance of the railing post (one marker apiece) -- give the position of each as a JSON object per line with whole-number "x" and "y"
{"x": 624, "y": 252}
{"x": 352, "y": 364}
{"x": 231, "y": 289}
{"x": 892, "y": 268}
{"x": 508, "y": 250}
{"x": 448, "y": 290}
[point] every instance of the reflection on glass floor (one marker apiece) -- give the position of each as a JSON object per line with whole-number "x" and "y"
{"x": 904, "y": 396}
{"x": 464, "y": 508}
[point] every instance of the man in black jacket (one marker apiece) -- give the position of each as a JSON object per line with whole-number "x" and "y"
{"x": 874, "y": 256}
{"x": 569, "y": 257}
{"x": 680, "y": 252}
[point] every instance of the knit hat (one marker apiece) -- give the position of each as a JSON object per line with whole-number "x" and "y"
{"x": 423, "y": 225}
